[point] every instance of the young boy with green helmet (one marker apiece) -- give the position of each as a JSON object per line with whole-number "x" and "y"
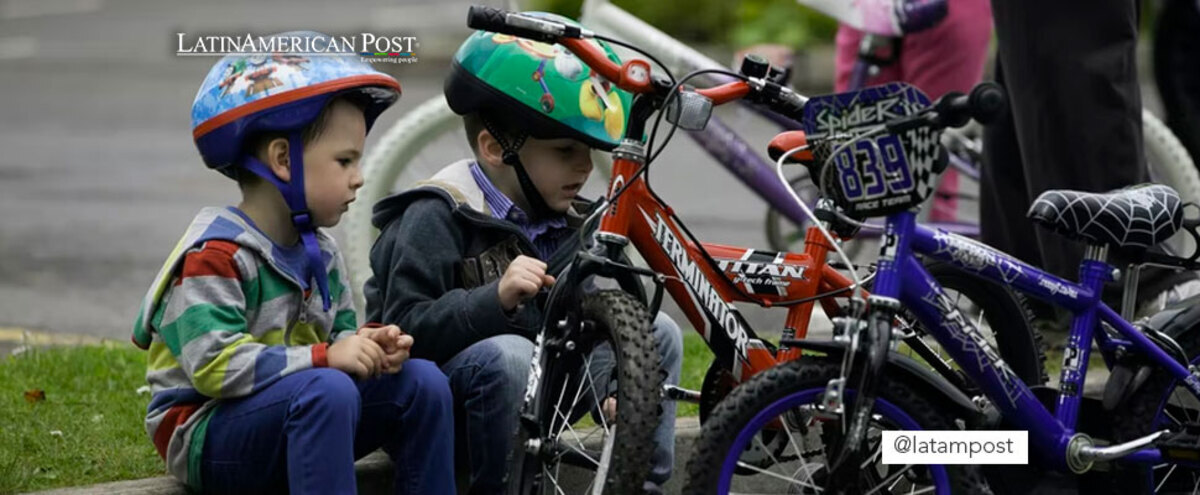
{"x": 460, "y": 252}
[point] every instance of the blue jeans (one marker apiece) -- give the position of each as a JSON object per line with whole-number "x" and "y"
{"x": 488, "y": 381}
{"x": 302, "y": 433}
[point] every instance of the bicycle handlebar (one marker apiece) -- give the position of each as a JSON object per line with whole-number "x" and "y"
{"x": 985, "y": 103}
{"x": 635, "y": 74}
{"x": 503, "y": 22}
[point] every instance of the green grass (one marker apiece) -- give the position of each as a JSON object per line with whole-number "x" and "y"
{"x": 696, "y": 358}
{"x": 91, "y": 398}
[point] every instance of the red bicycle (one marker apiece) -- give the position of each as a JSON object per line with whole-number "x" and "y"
{"x": 704, "y": 279}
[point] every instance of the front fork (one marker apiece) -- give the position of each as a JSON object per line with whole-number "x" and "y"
{"x": 870, "y": 341}
{"x": 562, "y": 331}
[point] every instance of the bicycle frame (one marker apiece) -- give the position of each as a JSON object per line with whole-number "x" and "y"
{"x": 901, "y": 276}
{"x": 705, "y": 292}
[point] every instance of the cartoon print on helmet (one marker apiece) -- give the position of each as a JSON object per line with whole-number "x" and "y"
{"x": 547, "y": 99}
{"x": 266, "y": 74}
{"x": 568, "y": 65}
{"x": 564, "y": 62}
{"x": 222, "y": 116}
{"x": 599, "y": 102}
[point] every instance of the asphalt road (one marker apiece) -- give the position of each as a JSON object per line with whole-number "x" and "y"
{"x": 99, "y": 177}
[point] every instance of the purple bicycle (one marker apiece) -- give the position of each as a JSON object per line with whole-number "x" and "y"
{"x": 820, "y": 420}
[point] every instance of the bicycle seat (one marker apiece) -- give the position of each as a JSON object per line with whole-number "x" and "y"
{"x": 1134, "y": 217}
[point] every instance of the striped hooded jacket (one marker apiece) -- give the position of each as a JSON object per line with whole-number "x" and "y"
{"x": 223, "y": 319}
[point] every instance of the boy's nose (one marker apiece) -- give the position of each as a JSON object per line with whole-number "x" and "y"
{"x": 356, "y": 180}
{"x": 584, "y": 164}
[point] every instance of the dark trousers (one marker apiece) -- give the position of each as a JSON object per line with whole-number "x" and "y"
{"x": 302, "y": 433}
{"x": 1075, "y": 122}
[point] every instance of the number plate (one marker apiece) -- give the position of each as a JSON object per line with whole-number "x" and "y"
{"x": 876, "y": 175}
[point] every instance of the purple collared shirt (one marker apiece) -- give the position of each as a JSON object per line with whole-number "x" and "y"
{"x": 544, "y": 234}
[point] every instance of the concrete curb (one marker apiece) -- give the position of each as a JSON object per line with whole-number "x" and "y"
{"x": 375, "y": 470}
{"x": 375, "y": 473}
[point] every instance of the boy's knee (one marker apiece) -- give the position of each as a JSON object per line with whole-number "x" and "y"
{"x": 330, "y": 389}
{"x": 431, "y": 384}
{"x": 507, "y": 358}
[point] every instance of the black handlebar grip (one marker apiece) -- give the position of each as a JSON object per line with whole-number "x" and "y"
{"x": 985, "y": 103}
{"x": 498, "y": 21}
{"x": 487, "y": 19}
{"x": 953, "y": 110}
{"x": 988, "y": 102}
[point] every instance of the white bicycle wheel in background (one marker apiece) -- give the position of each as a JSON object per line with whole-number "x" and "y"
{"x": 426, "y": 139}
{"x": 1170, "y": 164}
{"x": 384, "y": 164}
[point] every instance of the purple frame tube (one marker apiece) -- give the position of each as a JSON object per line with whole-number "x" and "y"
{"x": 902, "y": 276}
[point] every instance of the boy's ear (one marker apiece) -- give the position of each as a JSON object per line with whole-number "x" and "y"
{"x": 278, "y": 159}
{"x": 489, "y": 148}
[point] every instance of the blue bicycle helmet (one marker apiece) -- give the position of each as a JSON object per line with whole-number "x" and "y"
{"x": 244, "y": 95}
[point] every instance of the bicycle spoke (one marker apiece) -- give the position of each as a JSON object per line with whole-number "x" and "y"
{"x": 566, "y": 420}
{"x": 558, "y": 405}
{"x": 895, "y": 476}
{"x": 554, "y": 481}
{"x": 897, "y": 482}
{"x": 596, "y": 400}
{"x": 582, "y": 449}
{"x": 779, "y": 476}
{"x": 1165, "y": 478}
{"x": 1172, "y": 416}
{"x": 871, "y": 459}
{"x": 798, "y": 448}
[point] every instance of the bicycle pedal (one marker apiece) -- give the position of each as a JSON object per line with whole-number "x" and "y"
{"x": 1181, "y": 446}
{"x": 674, "y": 393}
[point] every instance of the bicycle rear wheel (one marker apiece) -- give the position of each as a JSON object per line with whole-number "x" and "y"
{"x": 1161, "y": 403}
{"x": 1168, "y": 162}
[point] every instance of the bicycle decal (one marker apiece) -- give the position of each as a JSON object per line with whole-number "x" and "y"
{"x": 724, "y": 314}
{"x": 881, "y": 173}
{"x": 764, "y": 272}
{"x": 976, "y": 257}
{"x": 973, "y": 342}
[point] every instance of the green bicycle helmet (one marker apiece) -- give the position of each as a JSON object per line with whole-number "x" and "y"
{"x": 532, "y": 89}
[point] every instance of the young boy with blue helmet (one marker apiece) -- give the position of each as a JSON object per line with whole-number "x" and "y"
{"x": 260, "y": 377}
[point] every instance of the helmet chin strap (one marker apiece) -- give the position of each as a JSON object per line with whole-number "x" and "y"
{"x": 293, "y": 195}
{"x": 511, "y": 158}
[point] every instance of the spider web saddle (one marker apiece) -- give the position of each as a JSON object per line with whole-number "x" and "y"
{"x": 1134, "y": 217}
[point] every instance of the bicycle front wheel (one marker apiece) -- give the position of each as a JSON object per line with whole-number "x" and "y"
{"x": 774, "y": 430}
{"x": 569, "y": 443}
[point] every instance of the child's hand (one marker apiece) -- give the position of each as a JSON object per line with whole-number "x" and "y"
{"x": 356, "y": 355}
{"x": 395, "y": 344}
{"x": 522, "y": 280}
{"x": 609, "y": 409}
